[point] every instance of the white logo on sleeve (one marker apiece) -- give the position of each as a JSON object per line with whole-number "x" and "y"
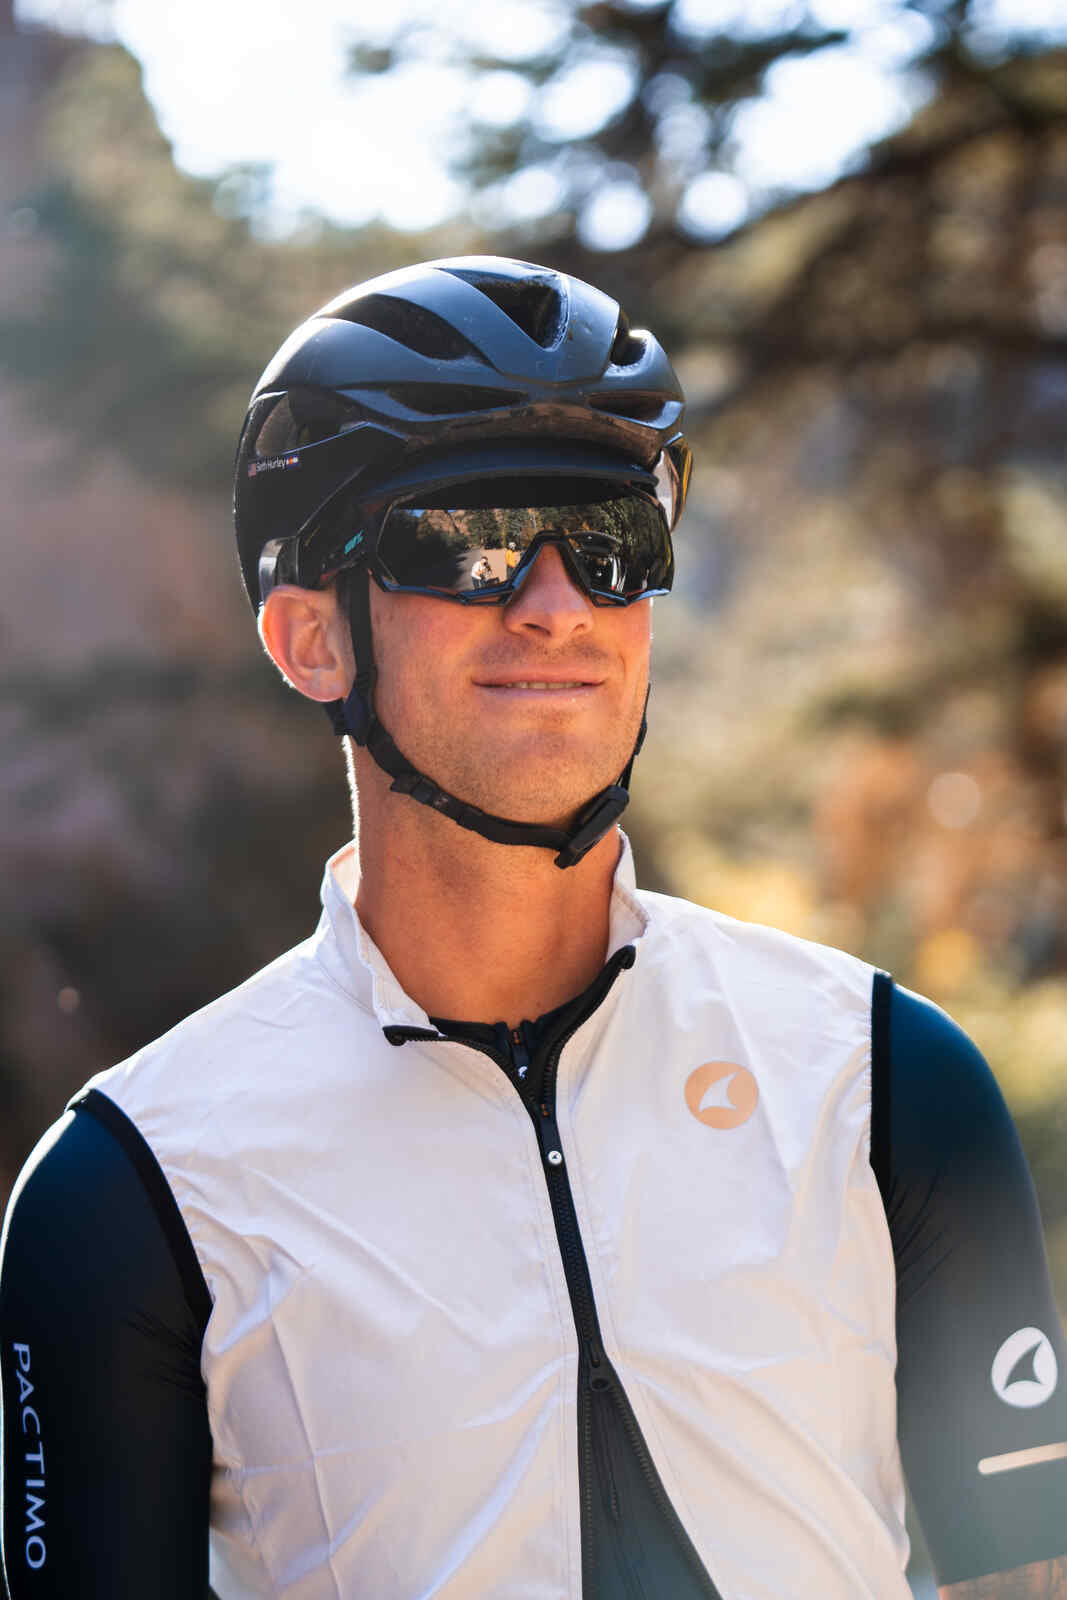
{"x": 1024, "y": 1369}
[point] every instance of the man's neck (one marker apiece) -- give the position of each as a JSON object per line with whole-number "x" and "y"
{"x": 477, "y": 931}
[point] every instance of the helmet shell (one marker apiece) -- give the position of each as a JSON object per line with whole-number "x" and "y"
{"x": 479, "y": 359}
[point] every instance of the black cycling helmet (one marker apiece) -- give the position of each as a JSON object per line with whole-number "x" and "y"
{"x": 460, "y": 370}
{"x": 479, "y": 355}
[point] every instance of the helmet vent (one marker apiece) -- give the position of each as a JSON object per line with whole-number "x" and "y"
{"x": 410, "y": 325}
{"x": 637, "y": 407}
{"x": 447, "y": 399}
{"x": 628, "y": 347}
{"x": 303, "y": 416}
{"x": 535, "y": 304}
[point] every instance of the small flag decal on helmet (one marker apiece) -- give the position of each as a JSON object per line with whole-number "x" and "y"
{"x": 272, "y": 464}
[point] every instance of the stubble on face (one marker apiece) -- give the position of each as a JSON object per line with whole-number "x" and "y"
{"x": 530, "y": 756}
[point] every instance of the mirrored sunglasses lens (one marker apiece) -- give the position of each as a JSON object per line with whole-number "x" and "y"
{"x": 627, "y": 553}
{"x": 456, "y": 551}
{"x": 619, "y": 547}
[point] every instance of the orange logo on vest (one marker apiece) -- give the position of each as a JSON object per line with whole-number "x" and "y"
{"x": 721, "y": 1094}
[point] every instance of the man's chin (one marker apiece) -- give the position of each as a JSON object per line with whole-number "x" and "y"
{"x": 550, "y": 806}
{"x": 544, "y": 780}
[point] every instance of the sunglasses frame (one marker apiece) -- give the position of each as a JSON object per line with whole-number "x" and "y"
{"x": 500, "y": 591}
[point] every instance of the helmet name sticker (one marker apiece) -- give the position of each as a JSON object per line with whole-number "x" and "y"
{"x": 272, "y": 464}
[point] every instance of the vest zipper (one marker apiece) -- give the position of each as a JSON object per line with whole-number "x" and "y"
{"x": 520, "y": 1056}
{"x": 598, "y": 1382}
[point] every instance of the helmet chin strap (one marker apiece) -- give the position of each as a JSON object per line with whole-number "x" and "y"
{"x": 357, "y": 717}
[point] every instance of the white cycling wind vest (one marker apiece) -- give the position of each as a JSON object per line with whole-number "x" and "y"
{"x": 391, "y": 1357}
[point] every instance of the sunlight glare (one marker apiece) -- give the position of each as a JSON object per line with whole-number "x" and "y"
{"x": 580, "y": 99}
{"x": 814, "y": 117}
{"x": 616, "y": 217}
{"x": 713, "y": 204}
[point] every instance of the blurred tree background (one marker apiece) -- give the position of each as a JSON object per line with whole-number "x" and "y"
{"x": 859, "y": 726}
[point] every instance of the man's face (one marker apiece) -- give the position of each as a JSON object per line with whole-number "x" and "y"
{"x": 526, "y": 710}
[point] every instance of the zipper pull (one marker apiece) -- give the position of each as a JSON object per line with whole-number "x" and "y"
{"x": 520, "y": 1056}
{"x": 548, "y": 1133}
{"x": 598, "y": 1366}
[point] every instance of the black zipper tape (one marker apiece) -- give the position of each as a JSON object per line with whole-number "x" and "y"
{"x": 599, "y": 1383}
{"x": 605, "y": 1416}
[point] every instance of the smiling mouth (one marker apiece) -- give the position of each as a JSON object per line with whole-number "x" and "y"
{"x": 540, "y": 685}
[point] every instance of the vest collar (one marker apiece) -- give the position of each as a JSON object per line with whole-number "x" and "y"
{"x": 354, "y": 962}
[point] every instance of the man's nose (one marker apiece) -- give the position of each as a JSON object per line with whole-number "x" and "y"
{"x": 547, "y": 600}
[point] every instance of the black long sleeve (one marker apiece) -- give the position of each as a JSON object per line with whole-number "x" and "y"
{"x": 981, "y": 1361}
{"x": 106, "y": 1444}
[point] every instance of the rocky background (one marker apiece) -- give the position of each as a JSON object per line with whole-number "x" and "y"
{"x": 859, "y": 720}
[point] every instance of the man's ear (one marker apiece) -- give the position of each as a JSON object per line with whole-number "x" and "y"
{"x": 307, "y": 638}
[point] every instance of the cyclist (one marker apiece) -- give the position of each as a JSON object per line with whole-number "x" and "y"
{"x": 520, "y": 1233}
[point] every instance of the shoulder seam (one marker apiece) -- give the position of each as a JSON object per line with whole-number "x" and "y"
{"x": 159, "y": 1193}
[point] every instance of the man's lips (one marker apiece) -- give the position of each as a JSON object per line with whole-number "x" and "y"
{"x": 544, "y": 683}
{"x": 563, "y": 674}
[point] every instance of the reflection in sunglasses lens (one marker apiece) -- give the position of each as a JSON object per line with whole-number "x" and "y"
{"x": 617, "y": 548}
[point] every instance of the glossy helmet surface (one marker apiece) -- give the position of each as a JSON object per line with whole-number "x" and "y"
{"x": 460, "y": 369}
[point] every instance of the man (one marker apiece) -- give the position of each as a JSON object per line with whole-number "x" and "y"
{"x": 520, "y": 1234}
{"x": 482, "y": 572}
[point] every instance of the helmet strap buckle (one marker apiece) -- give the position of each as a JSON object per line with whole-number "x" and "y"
{"x": 418, "y": 787}
{"x": 593, "y": 823}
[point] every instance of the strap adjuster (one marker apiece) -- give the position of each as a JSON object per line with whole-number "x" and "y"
{"x": 593, "y": 824}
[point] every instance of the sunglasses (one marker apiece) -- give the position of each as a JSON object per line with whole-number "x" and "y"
{"x": 616, "y": 551}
